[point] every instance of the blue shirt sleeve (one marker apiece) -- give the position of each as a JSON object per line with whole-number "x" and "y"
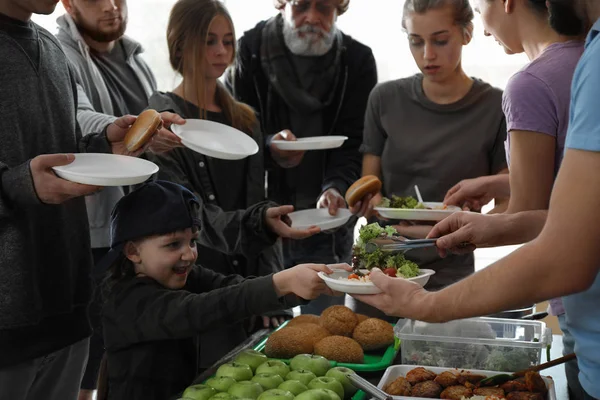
{"x": 584, "y": 122}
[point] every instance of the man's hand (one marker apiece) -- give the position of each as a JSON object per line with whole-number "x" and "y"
{"x": 473, "y": 194}
{"x": 280, "y": 224}
{"x": 286, "y": 159}
{"x": 51, "y": 189}
{"x": 463, "y": 232}
{"x": 365, "y": 207}
{"x": 399, "y": 297}
{"x": 333, "y": 200}
{"x": 117, "y": 131}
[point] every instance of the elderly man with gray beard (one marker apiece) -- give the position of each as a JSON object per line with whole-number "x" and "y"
{"x": 306, "y": 78}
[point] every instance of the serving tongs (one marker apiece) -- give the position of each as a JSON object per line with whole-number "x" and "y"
{"x": 368, "y": 387}
{"x": 397, "y": 244}
{"x": 502, "y": 378}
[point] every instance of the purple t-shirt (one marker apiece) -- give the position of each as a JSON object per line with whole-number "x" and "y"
{"x": 537, "y": 99}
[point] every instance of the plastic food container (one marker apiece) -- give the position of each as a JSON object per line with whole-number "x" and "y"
{"x": 396, "y": 371}
{"x": 492, "y": 344}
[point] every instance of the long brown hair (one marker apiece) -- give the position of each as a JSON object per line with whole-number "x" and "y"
{"x": 187, "y": 35}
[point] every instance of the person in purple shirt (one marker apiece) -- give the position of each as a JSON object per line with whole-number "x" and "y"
{"x": 536, "y": 106}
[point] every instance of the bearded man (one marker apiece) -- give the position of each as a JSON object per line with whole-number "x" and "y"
{"x": 306, "y": 78}
{"x": 113, "y": 80}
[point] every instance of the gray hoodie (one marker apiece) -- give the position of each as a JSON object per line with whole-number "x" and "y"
{"x": 95, "y": 111}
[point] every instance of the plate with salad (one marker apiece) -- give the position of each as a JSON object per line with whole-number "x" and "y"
{"x": 409, "y": 208}
{"x": 394, "y": 265}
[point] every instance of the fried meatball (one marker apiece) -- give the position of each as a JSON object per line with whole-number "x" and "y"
{"x": 456, "y": 393}
{"x": 489, "y": 391}
{"x": 447, "y": 378}
{"x": 399, "y": 387}
{"x": 339, "y": 320}
{"x": 340, "y": 349}
{"x": 361, "y": 317}
{"x": 420, "y": 374}
{"x": 524, "y": 396}
{"x": 427, "y": 389}
{"x": 288, "y": 342}
{"x": 303, "y": 319}
{"x": 514, "y": 386}
{"x": 469, "y": 377}
{"x": 374, "y": 334}
{"x": 535, "y": 383}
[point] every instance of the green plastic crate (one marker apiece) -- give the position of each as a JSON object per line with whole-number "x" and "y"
{"x": 373, "y": 361}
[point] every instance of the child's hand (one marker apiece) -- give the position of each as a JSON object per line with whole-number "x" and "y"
{"x": 303, "y": 281}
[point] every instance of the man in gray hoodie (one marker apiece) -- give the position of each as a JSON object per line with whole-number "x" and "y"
{"x": 112, "y": 80}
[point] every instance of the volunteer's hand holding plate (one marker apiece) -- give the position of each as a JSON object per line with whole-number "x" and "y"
{"x": 215, "y": 140}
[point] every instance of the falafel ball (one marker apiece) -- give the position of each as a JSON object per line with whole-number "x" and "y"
{"x": 420, "y": 374}
{"x": 448, "y": 378}
{"x": 399, "y": 387}
{"x": 427, "y": 389}
{"x": 374, "y": 334}
{"x": 288, "y": 342}
{"x": 456, "y": 393}
{"x": 339, "y": 320}
{"x": 340, "y": 349}
{"x": 313, "y": 332}
{"x": 303, "y": 319}
{"x": 362, "y": 317}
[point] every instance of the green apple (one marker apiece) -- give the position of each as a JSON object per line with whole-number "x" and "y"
{"x": 317, "y": 364}
{"x": 237, "y": 371}
{"x": 221, "y": 383}
{"x": 340, "y": 374}
{"x": 324, "y": 382}
{"x": 199, "y": 392}
{"x": 301, "y": 375}
{"x": 276, "y": 394}
{"x": 296, "y": 387}
{"x": 245, "y": 389}
{"x": 273, "y": 367}
{"x": 318, "y": 394}
{"x": 268, "y": 381}
{"x": 222, "y": 396}
{"x": 252, "y": 358}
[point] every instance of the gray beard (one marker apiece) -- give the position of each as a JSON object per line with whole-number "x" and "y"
{"x": 310, "y": 45}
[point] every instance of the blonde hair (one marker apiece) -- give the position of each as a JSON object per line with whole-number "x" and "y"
{"x": 463, "y": 12}
{"x": 187, "y": 35}
{"x": 342, "y": 7}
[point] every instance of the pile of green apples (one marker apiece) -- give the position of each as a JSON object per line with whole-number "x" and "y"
{"x": 253, "y": 376}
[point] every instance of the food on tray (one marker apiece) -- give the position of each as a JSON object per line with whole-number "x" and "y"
{"x": 142, "y": 129}
{"x": 314, "y": 332}
{"x": 361, "y": 317}
{"x": 339, "y": 320}
{"x": 369, "y": 184}
{"x": 303, "y": 319}
{"x": 408, "y": 202}
{"x": 464, "y": 385}
{"x": 288, "y": 342}
{"x": 373, "y": 334}
{"x": 428, "y": 389}
{"x": 392, "y": 264}
{"x": 341, "y": 349}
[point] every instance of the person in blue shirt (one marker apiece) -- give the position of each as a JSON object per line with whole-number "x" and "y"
{"x": 563, "y": 260}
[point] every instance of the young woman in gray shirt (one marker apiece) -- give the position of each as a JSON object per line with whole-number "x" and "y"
{"x": 436, "y": 128}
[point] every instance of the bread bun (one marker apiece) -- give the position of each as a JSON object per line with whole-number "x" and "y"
{"x": 368, "y": 184}
{"x": 142, "y": 129}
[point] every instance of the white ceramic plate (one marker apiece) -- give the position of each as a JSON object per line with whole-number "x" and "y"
{"x": 436, "y": 214}
{"x": 215, "y": 140}
{"x": 106, "y": 170}
{"x": 319, "y": 217}
{"x": 356, "y": 287}
{"x": 311, "y": 143}
{"x": 394, "y": 372}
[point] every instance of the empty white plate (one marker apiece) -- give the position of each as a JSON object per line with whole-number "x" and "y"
{"x": 215, "y": 140}
{"x": 436, "y": 213}
{"x": 319, "y": 217}
{"x": 106, "y": 170}
{"x": 311, "y": 143}
{"x": 339, "y": 282}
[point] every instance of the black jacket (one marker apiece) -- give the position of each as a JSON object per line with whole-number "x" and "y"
{"x": 340, "y": 167}
{"x": 151, "y": 333}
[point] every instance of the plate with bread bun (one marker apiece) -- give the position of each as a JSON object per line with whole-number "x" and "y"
{"x": 106, "y": 170}
{"x": 142, "y": 130}
{"x": 215, "y": 140}
{"x": 311, "y": 143}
